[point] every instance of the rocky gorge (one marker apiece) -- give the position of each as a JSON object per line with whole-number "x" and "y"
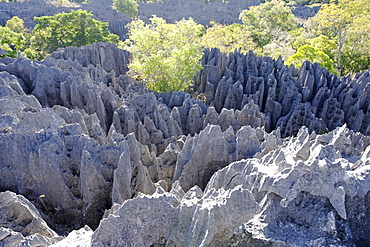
{"x": 265, "y": 155}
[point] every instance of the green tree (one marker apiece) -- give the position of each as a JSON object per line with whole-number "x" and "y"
{"x": 356, "y": 51}
{"x": 167, "y": 55}
{"x": 14, "y": 38}
{"x": 312, "y": 54}
{"x": 228, "y": 38}
{"x": 322, "y": 44}
{"x": 336, "y": 20}
{"x": 129, "y": 7}
{"x": 77, "y": 28}
{"x": 268, "y": 21}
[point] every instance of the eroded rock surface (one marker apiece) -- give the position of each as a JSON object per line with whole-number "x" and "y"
{"x": 273, "y": 157}
{"x": 303, "y": 193}
{"x": 287, "y": 97}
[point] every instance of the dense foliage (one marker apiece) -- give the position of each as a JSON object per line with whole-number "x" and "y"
{"x": 77, "y": 28}
{"x": 129, "y": 7}
{"x": 167, "y": 55}
{"x": 348, "y": 24}
{"x": 268, "y": 21}
{"x": 338, "y": 37}
{"x": 228, "y": 38}
{"x": 14, "y": 38}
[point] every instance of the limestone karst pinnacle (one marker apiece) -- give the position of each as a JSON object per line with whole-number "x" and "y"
{"x": 274, "y": 156}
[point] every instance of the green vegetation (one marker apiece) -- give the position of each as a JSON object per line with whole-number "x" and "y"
{"x": 338, "y": 37}
{"x": 318, "y": 49}
{"x": 228, "y": 38}
{"x": 129, "y": 7}
{"x": 268, "y": 29}
{"x": 77, "y": 28}
{"x": 269, "y": 21}
{"x": 167, "y": 55}
{"x": 348, "y": 23}
{"x": 14, "y": 38}
{"x": 312, "y": 54}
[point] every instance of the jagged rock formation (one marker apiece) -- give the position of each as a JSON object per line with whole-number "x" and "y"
{"x": 302, "y": 13}
{"x": 302, "y": 193}
{"x": 86, "y": 145}
{"x": 175, "y": 10}
{"x": 21, "y": 223}
{"x": 288, "y": 98}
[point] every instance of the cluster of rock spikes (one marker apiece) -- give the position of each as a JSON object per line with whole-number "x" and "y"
{"x": 272, "y": 155}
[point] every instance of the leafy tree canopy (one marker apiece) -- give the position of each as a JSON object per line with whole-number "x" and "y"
{"x": 129, "y": 7}
{"x": 267, "y": 21}
{"x": 356, "y": 51}
{"x": 337, "y": 21}
{"x": 167, "y": 55}
{"x": 312, "y": 54}
{"x": 228, "y": 38}
{"x": 77, "y": 28}
{"x": 14, "y": 38}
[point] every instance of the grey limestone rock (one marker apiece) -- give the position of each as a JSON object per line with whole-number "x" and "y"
{"x": 21, "y": 223}
{"x": 200, "y": 157}
{"x": 173, "y": 10}
{"x": 303, "y": 192}
{"x": 81, "y": 237}
{"x": 322, "y": 196}
{"x": 20, "y": 215}
{"x": 125, "y": 228}
{"x": 302, "y": 13}
{"x": 277, "y": 158}
{"x": 321, "y": 100}
{"x": 2, "y": 52}
{"x": 14, "y": 239}
{"x": 247, "y": 142}
{"x": 123, "y": 175}
{"x": 250, "y": 116}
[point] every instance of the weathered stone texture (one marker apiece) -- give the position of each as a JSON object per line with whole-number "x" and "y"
{"x": 274, "y": 156}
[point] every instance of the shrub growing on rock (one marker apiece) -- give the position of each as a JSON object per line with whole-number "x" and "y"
{"x": 167, "y": 55}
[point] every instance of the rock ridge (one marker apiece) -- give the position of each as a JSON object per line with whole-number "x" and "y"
{"x": 287, "y": 97}
{"x": 274, "y": 157}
